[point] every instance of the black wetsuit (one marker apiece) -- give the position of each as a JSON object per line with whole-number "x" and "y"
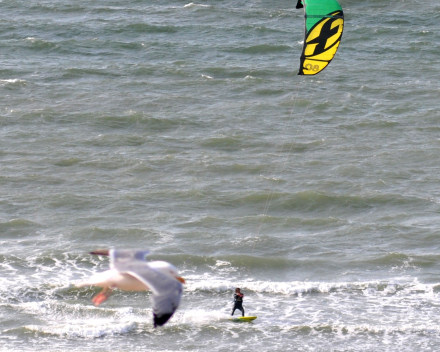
{"x": 238, "y": 304}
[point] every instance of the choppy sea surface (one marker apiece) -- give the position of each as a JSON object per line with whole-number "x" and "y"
{"x": 182, "y": 128}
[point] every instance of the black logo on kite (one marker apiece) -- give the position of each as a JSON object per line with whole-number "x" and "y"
{"x": 324, "y": 30}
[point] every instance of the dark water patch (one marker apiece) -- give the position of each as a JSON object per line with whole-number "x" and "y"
{"x": 261, "y": 49}
{"x": 423, "y": 49}
{"x": 145, "y": 70}
{"x": 47, "y": 8}
{"x": 106, "y": 167}
{"x": 141, "y": 168}
{"x": 293, "y": 222}
{"x": 201, "y": 222}
{"x": 314, "y": 200}
{"x": 403, "y": 260}
{"x": 257, "y": 75}
{"x": 264, "y": 265}
{"x": 135, "y": 46}
{"x": 235, "y": 140}
{"x": 130, "y": 120}
{"x": 18, "y": 228}
{"x": 183, "y": 75}
{"x": 224, "y": 143}
{"x": 87, "y": 72}
{"x": 402, "y": 21}
{"x": 110, "y": 234}
{"x": 149, "y": 28}
{"x": 269, "y": 92}
{"x": 13, "y": 84}
{"x": 116, "y": 140}
{"x": 264, "y": 29}
{"x": 372, "y": 123}
{"x": 260, "y": 246}
{"x": 88, "y": 48}
{"x": 70, "y": 202}
{"x": 243, "y": 261}
{"x": 37, "y": 44}
{"x": 298, "y": 147}
{"x": 236, "y": 169}
{"x": 17, "y": 223}
{"x": 12, "y": 73}
{"x": 68, "y": 162}
{"x": 116, "y": 10}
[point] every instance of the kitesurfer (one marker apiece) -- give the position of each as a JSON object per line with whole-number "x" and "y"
{"x": 299, "y": 5}
{"x": 238, "y": 302}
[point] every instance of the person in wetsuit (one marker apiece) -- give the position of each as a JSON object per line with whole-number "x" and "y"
{"x": 299, "y": 4}
{"x": 238, "y": 302}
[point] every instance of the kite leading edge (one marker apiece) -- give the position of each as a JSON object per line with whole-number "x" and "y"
{"x": 324, "y": 23}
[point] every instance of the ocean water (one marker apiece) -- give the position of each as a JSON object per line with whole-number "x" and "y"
{"x": 182, "y": 128}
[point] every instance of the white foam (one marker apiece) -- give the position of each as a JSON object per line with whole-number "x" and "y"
{"x": 200, "y": 316}
{"x": 360, "y": 329}
{"x": 290, "y": 288}
{"x": 85, "y": 328}
{"x": 192, "y": 4}
{"x": 286, "y": 288}
{"x": 14, "y": 80}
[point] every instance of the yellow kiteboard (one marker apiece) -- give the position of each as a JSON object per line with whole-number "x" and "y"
{"x": 243, "y": 318}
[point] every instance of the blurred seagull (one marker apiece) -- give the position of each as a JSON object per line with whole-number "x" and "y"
{"x": 130, "y": 272}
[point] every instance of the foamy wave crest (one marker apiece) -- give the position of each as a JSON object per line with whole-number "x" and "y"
{"x": 192, "y": 4}
{"x": 15, "y": 82}
{"x": 60, "y": 310}
{"x": 90, "y": 329}
{"x": 370, "y": 329}
{"x": 200, "y": 316}
{"x": 299, "y": 288}
{"x": 285, "y": 288}
{"x": 40, "y": 44}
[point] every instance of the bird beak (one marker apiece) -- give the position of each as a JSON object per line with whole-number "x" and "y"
{"x": 181, "y": 279}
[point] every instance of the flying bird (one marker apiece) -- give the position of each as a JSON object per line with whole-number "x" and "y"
{"x": 130, "y": 272}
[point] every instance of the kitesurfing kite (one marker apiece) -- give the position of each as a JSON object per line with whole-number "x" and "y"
{"x": 324, "y": 23}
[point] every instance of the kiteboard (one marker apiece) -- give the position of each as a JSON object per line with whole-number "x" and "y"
{"x": 243, "y": 318}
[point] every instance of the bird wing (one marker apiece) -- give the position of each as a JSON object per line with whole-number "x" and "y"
{"x": 119, "y": 258}
{"x": 166, "y": 291}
